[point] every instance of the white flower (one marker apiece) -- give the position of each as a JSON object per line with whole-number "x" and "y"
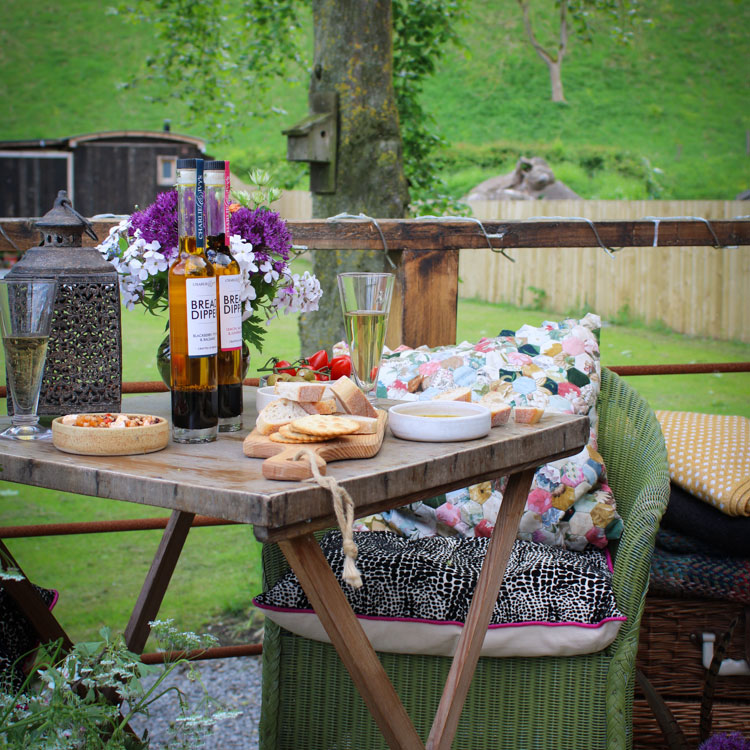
{"x": 270, "y": 274}
{"x": 154, "y": 261}
{"x": 302, "y": 294}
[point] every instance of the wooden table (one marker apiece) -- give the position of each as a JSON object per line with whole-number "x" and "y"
{"x": 216, "y": 479}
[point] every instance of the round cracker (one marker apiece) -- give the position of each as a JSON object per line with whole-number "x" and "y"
{"x": 278, "y": 437}
{"x": 325, "y": 425}
{"x": 302, "y": 437}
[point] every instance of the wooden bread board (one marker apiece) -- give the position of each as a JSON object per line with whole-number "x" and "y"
{"x": 280, "y": 463}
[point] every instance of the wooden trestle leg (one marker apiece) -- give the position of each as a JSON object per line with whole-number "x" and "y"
{"x": 483, "y": 602}
{"x": 319, "y": 583}
{"x": 155, "y": 586}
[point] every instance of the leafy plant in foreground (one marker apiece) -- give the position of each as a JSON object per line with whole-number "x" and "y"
{"x": 69, "y": 701}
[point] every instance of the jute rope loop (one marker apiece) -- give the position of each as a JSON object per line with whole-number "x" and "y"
{"x": 343, "y": 507}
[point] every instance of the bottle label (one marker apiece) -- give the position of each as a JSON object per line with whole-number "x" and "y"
{"x": 200, "y": 295}
{"x": 200, "y": 200}
{"x": 230, "y": 312}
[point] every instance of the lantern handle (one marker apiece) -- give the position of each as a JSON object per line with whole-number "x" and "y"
{"x": 65, "y": 202}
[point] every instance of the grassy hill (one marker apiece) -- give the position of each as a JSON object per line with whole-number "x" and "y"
{"x": 664, "y": 117}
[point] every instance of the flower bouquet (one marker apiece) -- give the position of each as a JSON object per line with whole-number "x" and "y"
{"x": 144, "y": 246}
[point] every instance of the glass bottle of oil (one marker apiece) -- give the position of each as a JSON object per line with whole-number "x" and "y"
{"x": 192, "y": 316}
{"x": 228, "y": 294}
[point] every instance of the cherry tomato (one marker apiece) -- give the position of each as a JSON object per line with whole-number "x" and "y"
{"x": 319, "y": 360}
{"x": 341, "y": 366}
{"x": 284, "y": 366}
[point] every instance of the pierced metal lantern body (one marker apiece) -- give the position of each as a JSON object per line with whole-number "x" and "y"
{"x": 83, "y": 371}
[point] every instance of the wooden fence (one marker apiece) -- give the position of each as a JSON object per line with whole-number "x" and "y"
{"x": 696, "y": 290}
{"x": 425, "y": 255}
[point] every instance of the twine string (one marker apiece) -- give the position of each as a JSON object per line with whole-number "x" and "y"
{"x": 609, "y": 250}
{"x": 377, "y": 226}
{"x": 488, "y": 237}
{"x": 343, "y": 507}
{"x": 657, "y": 219}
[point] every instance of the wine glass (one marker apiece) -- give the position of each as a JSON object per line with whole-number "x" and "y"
{"x": 366, "y": 302}
{"x": 26, "y": 308}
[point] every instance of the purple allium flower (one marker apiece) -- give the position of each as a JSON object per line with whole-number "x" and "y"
{"x": 265, "y": 229}
{"x": 734, "y": 741}
{"x": 159, "y": 222}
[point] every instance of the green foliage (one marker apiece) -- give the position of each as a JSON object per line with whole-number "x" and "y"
{"x": 225, "y": 58}
{"x": 220, "y": 57}
{"x": 540, "y": 297}
{"x": 422, "y": 29}
{"x": 676, "y": 95}
{"x": 67, "y": 701}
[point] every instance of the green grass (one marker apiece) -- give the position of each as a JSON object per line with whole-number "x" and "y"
{"x": 675, "y": 99}
{"x": 99, "y": 576}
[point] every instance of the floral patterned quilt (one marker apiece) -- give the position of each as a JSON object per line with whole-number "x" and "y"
{"x": 554, "y": 366}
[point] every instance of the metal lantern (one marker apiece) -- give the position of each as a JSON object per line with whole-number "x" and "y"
{"x": 83, "y": 371}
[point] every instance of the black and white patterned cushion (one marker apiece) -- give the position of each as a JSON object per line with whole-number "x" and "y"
{"x": 561, "y": 599}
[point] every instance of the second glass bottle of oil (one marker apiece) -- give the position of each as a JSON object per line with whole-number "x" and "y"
{"x": 228, "y": 296}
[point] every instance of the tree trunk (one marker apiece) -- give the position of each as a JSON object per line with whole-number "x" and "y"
{"x": 552, "y": 60}
{"x": 555, "y": 79}
{"x": 353, "y": 57}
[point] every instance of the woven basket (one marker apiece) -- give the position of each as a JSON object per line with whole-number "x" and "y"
{"x": 672, "y": 661}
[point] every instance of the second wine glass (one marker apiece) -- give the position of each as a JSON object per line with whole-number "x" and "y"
{"x": 366, "y": 302}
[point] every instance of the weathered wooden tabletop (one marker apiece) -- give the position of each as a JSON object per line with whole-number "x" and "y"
{"x": 216, "y": 479}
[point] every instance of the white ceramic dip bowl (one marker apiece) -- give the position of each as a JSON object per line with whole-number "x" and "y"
{"x": 439, "y": 421}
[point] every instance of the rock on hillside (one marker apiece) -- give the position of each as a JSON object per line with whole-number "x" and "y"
{"x": 531, "y": 179}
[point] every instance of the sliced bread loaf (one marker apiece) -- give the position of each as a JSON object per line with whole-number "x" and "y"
{"x": 325, "y": 406}
{"x": 300, "y": 391}
{"x": 352, "y": 400}
{"x": 455, "y": 394}
{"x": 278, "y": 412}
{"x": 499, "y": 410}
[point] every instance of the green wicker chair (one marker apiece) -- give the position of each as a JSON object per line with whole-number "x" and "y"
{"x": 579, "y": 702}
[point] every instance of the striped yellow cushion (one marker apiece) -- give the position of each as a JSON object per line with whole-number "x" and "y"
{"x": 709, "y": 456}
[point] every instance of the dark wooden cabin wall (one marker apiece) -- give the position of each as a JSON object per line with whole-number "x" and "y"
{"x": 29, "y": 185}
{"x": 118, "y": 177}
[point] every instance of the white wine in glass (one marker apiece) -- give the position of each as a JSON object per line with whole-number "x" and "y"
{"x": 365, "y": 302}
{"x": 365, "y": 332}
{"x": 26, "y": 308}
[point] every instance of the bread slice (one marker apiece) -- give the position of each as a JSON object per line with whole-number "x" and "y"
{"x": 367, "y": 425}
{"x": 527, "y": 414}
{"x": 300, "y": 391}
{"x": 455, "y": 394}
{"x": 278, "y": 412}
{"x": 324, "y": 406}
{"x": 352, "y": 400}
{"x": 499, "y": 410}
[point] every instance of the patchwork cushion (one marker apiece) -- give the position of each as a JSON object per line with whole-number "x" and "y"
{"x": 416, "y": 596}
{"x": 555, "y": 366}
{"x": 709, "y": 456}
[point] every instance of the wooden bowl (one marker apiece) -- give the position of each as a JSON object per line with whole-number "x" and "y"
{"x": 108, "y": 441}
